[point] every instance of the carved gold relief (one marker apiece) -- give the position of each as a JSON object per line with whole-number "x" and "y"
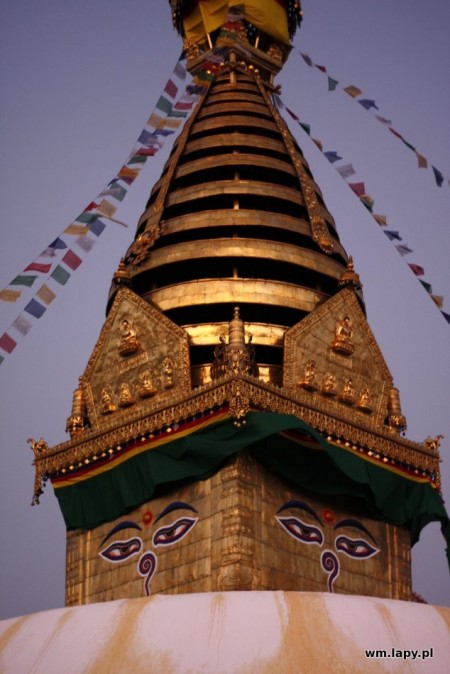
{"x": 129, "y": 342}
{"x": 146, "y": 388}
{"x": 107, "y": 404}
{"x": 126, "y": 397}
{"x": 342, "y": 342}
{"x": 308, "y": 380}
{"x": 329, "y": 384}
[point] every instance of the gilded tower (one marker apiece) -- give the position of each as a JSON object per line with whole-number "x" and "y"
{"x": 237, "y": 427}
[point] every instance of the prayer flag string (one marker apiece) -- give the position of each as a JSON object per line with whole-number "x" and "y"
{"x": 370, "y": 105}
{"x": 358, "y": 188}
{"x": 54, "y": 266}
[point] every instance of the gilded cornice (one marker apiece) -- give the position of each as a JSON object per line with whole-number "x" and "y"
{"x": 239, "y": 394}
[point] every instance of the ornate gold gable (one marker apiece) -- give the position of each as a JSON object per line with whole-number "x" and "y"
{"x": 139, "y": 357}
{"x": 333, "y": 357}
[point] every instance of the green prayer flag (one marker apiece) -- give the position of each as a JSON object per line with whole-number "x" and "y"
{"x": 332, "y": 84}
{"x": 60, "y": 275}
{"x": 23, "y": 280}
{"x": 164, "y": 105}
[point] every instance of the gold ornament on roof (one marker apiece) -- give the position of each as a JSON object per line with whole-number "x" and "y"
{"x": 342, "y": 342}
{"x": 236, "y": 357}
{"x": 38, "y": 446}
{"x": 433, "y": 444}
{"x": 129, "y": 342}
{"x": 349, "y": 277}
{"x": 396, "y": 420}
{"x": 76, "y": 422}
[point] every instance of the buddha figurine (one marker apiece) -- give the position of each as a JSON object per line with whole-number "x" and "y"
{"x": 129, "y": 342}
{"x": 347, "y": 395}
{"x": 167, "y": 370}
{"x": 365, "y": 401}
{"x": 308, "y": 380}
{"x": 107, "y": 403}
{"x": 147, "y": 388}
{"x": 342, "y": 342}
{"x": 125, "y": 395}
{"x": 329, "y": 384}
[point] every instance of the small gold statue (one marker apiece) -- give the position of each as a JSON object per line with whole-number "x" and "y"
{"x": 107, "y": 403}
{"x": 167, "y": 370}
{"x": 365, "y": 401}
{"x": 147, "y": 388}
{"x": 342, "y": 342}
{"x": 347, "y": 395}
{"x": 329, "y": 384}
{"x": 129, "y": 342}
{"x": 309, "y": 376}
{"x": 125, "y": 395}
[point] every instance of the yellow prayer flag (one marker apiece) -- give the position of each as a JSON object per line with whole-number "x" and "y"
{"x": 46, "y": 294}
{"x": 318, "y": 143}
{"x": 10, "y": 295}
{"x": 76, "y": 230}
{"x": 422, "y": 162}
{"x": 353, "y": 91}
{"x": 438, "y": 300}
{"x": 104, "y": 207}
{"x": 125, "y": 172}
{"x": 381, "y": 219}
{"x": 163, "y": 122}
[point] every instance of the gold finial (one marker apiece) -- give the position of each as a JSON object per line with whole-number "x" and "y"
{"x": 38, "y": 446}
{"x": 236, "y": 357}
{"x": 396, "y": 420}
{"x": 122, "y": 275}
{"x": 433, "y": 444}
{"x": 349, "y": 277}
{"x": 76, "y": 422}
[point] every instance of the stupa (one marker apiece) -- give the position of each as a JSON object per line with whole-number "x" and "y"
{"x": 237, "y": 427}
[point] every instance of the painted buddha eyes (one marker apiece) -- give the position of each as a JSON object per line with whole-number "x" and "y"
{"x": 174, "y": 532}
{"x": 119, "y": 551}
{"x": 357, "y": 548}
{"x": 306, "y": 533}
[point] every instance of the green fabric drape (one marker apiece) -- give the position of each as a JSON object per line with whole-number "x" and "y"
{"x": 325, "y": 469}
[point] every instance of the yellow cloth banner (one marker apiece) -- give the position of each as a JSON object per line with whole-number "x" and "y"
{"x": 269, "y": 16}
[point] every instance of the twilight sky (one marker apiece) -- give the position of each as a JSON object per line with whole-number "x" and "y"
{"x": 78, "y": 81}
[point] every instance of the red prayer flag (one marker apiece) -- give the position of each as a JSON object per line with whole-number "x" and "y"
{"x": 7, "y": 343}
{"x": 358, "y": 188}
{"x": 419, "y": 271}
{"x": 37, "y": 266}
{"x": 72, "y": 260}
{"x": 92, "y": 206}
{"x": 171, "y": 89}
